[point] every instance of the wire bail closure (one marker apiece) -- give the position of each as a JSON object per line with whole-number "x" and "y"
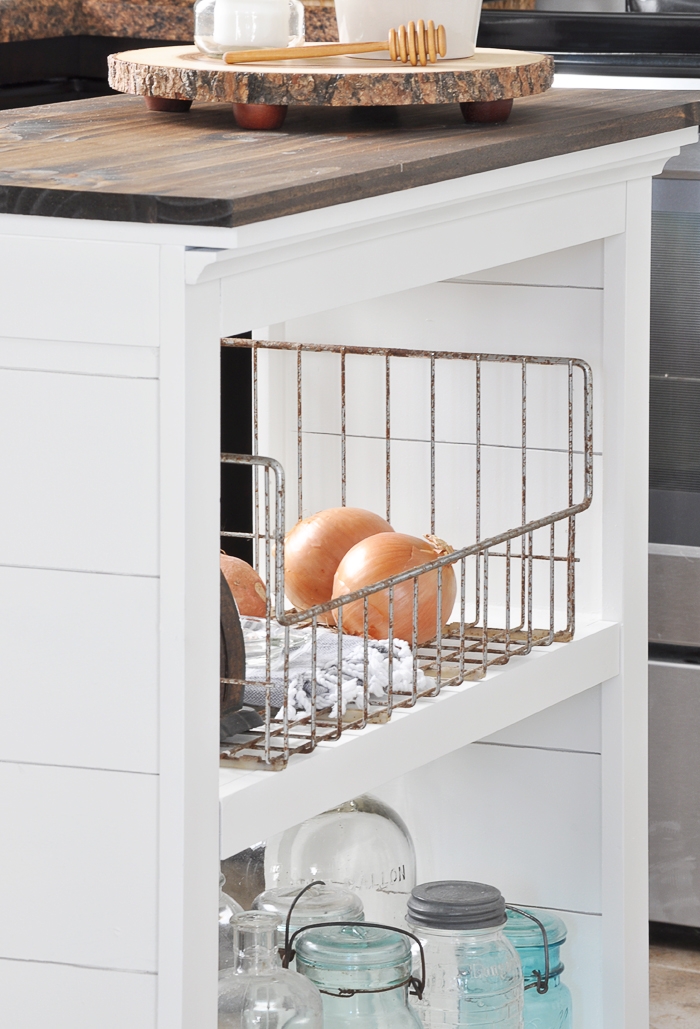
{"x": 417, "y": 985}
{"x": 541, "y": 983}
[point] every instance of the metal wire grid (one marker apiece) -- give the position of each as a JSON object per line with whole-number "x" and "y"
{"x": 465, "y": 648}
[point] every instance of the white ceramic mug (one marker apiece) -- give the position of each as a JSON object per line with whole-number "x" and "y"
{"x": 363, "y": 20}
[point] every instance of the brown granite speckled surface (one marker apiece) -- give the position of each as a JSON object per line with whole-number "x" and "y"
{"x": 136, "y": 19}
{"x": 179, "y": 72}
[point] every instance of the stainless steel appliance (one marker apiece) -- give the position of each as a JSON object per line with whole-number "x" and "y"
{"x": 645, "y": 46}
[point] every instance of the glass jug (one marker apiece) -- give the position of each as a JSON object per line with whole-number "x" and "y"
{"x": 362, "y": 845}
{"x": 372, "y": 961}
{"x": 255, "y": 991}
{"x": 320, "y": 903}
{"x": 474, "y": 976}
{"x": 550, "y": 1010}
{"x": 227, "y": 909}
{"x": 221, "y": 25}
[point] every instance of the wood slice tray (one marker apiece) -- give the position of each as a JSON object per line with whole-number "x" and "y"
{"x": 170, "y": 78}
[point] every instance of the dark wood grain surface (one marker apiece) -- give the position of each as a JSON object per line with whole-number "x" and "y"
{"x": 111, "y": 159}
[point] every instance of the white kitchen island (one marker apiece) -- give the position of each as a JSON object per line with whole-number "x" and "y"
{"x": 129, "y": 245}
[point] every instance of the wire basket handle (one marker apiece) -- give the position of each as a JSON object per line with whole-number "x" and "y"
{"x": 417, "y": 985}
{"x": 541, "y": 983}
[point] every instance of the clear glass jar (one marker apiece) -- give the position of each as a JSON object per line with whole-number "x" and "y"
{"x": 550, "y": 1010}
{"x": 255, "y": 993}
{"x": 474, "y": 977}
{"x": 362, "y": 845}
{"x": 359, "y": 958}
{"x": 227, "y": 909}
{"x": 221, "y": 25}
{"x": 318, "y": 904}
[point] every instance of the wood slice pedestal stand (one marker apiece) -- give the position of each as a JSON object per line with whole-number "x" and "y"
{"x": 170, "y": 78}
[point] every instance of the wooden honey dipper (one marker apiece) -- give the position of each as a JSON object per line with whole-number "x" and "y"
{"x": 416, "y": 43}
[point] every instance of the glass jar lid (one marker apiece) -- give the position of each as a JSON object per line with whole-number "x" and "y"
{"x": 354, "y": 957}
{"x": 454, "y": 904}
{"x": 318, "y": 904}
{"x": 523, "y": 933}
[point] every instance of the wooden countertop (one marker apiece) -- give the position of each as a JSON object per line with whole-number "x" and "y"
{"x": 111, "y": 159}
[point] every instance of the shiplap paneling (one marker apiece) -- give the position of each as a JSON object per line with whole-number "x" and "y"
{"x": 80, "y": 358}
{"x": 91, "y": 291}
{"x": 80, "y": 669}
{"x": 526, "y": 820}
{"x": 80, "y": 466}
{"x": 574, "y": 724}
{"x": 78, "y": 850}
{"x": 580, "y": 266}
{"x": 65, "y": 997}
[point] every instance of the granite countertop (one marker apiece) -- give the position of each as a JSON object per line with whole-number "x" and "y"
{"x": 111, "y": 159}
{"x": 136, "y": 19}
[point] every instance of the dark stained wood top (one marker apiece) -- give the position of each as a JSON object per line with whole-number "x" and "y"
{"x": 111, "y": 159}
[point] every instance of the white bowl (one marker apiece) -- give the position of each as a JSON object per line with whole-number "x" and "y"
{"x": 362, "y": 21}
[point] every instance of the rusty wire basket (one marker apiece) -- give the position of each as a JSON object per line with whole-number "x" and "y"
{"x": 514, "y": 557}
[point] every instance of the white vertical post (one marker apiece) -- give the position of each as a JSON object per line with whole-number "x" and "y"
{"x": 189, "y": 648}
{"x": 625, "y": 527}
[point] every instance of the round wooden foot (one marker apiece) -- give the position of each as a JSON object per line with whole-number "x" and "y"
{"x": 484, "y": 111}
{"x": 260, "y": 116}
{"x": 164, "y": 103}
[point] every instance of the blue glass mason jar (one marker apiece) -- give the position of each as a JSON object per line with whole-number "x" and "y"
{"x": 363, "y": 973}
{"x": 550, "y": 1010}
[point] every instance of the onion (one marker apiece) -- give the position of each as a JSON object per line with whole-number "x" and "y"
{"x": 315, "y": 547}
{"x": 388, "y": 554}
{"x": 246, "y": 585}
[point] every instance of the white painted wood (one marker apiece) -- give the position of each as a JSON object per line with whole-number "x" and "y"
{"x": 270, "y": 273}
{"x": 85, "y": 285}
{"x": 525, "y": 819}
{"x": 81, "y": 358}
{"x": 68, "y": 997}
{"x": 189, "y": 650}
{"x": 572, "y": 724}
{"x": 255, "y": 805}
{"x": 624, "y": 709}
{"x": 466, "y": 240}
{"x": 80, "y": 466}
{"x": 579, "y": 267}
{"x": 78, "y": 850}
{"x": 80, "y": 669}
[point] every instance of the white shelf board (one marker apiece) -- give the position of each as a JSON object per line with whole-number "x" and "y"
{"x": 258, "y": 804}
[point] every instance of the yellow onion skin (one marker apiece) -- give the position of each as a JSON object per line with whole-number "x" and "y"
{"x": 379, "y": 557}
{"x": 246, "y": 585}
{"x": 314, "y": 548}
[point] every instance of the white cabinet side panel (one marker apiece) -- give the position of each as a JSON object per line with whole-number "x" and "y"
{"x": 91, "y": 292}
{"x": 80, "y": 669}
{"x": 65, "y": 997}
{"x": 574, "y": 724}
{"x": 78, "y": 850}
{"x": 79, "y": 463}
{"x": 526, "y": 820}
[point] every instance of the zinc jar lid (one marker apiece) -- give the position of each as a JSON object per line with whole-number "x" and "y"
{"x": 453, "y": 904}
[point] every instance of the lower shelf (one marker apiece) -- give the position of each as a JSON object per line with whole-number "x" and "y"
{"x": 258, "y": 804}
